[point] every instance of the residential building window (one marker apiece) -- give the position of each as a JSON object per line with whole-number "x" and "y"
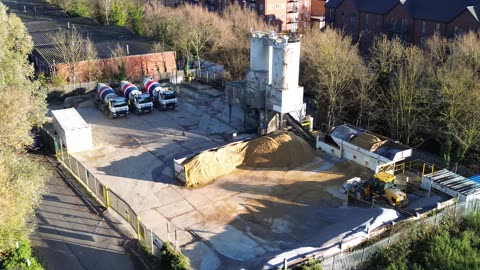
{"x": 352, "y": 24}
{"x": 283, "y": 16}
{"x": 366, "y": 22}
{"x": 379, "y": 22}
{"x": 332, "y": 13}
{"x": 393, "y": 21}
{"x": 261, "y": 6}
{"x": 437, "y": 29}
{"x": 424, "y": 27}
{"x": 404, "y": 22}
{"x": 277, "y": 6}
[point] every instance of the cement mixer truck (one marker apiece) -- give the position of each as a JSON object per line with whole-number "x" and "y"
{"x": 108, "y": 102}
{"x": 163, "y": 97}
{"x": 137, "y": 101}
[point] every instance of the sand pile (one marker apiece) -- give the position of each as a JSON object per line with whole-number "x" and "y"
{"x": 281, "y": 150}
{"x": 208, "y": 166}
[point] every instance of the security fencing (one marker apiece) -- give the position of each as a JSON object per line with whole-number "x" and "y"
{"x": 354, "y": 259}
{"x": 108, "y": 197}
{"x": 214, "y": 79}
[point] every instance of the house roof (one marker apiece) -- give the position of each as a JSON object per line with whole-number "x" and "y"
{"x": 375, "y": 6}
{"x": 432, "y": 10}
{"x": 475, "y": 10}
{"x": 370, "y": 6}
{"x": 437, "y": 10}
{"x": 333, "y": 3}
{"x": 42, "y": 20}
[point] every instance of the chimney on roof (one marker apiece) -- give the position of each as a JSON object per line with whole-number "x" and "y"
{"x": 24, "y": 9}
{"x": 128, "y": 51}
{"x": 68, "y": 25}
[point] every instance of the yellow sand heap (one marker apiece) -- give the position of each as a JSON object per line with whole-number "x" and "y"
{"x": 281, "y": 150}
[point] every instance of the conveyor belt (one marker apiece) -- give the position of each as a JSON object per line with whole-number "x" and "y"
{"x": 299, "y": 130}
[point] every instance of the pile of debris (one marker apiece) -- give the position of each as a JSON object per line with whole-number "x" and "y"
{"x": 281, "y": 150}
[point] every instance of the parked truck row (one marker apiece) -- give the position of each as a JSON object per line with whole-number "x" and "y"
{"x": 133, "y": 99}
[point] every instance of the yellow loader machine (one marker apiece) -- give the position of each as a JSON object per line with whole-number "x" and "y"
{"x": 380, "y": 187}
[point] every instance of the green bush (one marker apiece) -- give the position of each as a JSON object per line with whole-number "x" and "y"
{"x": 452, "y": 245}
{"x": 172, "y": 259}
{"x": 119, "y": 14}
{"x": 16, "y": 258}
{"x": 135, "y": 18}
{"x": 312, "y": 264}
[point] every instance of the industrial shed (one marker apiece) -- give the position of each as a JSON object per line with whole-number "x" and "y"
{"x": 361, "y": 147}
{"x": 42, "y": 20}
{"x": 452, "y": 184}
{"x": 74, "y": 133}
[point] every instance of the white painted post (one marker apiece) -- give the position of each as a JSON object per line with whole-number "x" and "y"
{"x": 151, "y": 240}
{"x": 176, "y": 242}
{"x": 168, "y": 233}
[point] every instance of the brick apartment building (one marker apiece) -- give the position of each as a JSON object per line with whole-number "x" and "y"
{"x": 318, "y": 13}
{"x": 413, "y": 21}
{"x": 285, "y": 14}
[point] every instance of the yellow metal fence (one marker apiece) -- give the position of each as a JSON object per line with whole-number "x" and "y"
{"x": 109, "y": 199}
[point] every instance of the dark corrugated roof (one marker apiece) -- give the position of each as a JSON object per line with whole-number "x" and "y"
{"x": 43, "y": 20}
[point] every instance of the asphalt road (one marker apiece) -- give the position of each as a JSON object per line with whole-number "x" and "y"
{"x": 69, "y": 236}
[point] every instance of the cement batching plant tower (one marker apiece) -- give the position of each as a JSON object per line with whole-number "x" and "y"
{"x": 270, "y": 94}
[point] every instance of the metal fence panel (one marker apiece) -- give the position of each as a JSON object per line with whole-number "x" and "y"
{"x": 354, "y": 259}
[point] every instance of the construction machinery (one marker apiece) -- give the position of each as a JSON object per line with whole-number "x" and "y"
{"x": 381, "y": 187}
{"x": 108, "y": 102}
{"x": 137, "y": 101}
{"x": 162, "y": 95}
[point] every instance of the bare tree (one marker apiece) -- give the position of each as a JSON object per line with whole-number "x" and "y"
{"x": 460, "y": 98}
{"x": 405, "y": 79}
{"x": 365, "y": 98}
{"x": 330, "y": 65}
{"x": 73, "y": 48}
{"x": 107, "y": 7}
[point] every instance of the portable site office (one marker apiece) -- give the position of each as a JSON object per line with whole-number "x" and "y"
{"x": 72, "y": 130}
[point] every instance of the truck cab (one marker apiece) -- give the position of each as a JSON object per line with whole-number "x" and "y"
{"x": 141, "y": 103}
{"x": 167, "y": 99}
{"x": 118, "y": 107}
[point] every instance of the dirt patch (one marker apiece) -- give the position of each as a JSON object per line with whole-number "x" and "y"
{"x": 281, "y": 150}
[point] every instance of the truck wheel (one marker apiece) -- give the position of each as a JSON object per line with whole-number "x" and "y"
{"x": 359, "y": 195}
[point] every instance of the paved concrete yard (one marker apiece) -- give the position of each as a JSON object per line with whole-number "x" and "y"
{"x": 245, "y": 217}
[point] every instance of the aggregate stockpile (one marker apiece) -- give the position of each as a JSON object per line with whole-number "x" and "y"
{"x": 138, "y": 102}
{"x": 281, "y": 150}
{"x": 108, "y": 102}
{"x": 163, "y": 97}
